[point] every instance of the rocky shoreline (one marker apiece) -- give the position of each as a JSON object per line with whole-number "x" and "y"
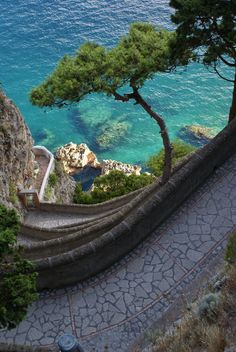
{"x": 75, "y": 157}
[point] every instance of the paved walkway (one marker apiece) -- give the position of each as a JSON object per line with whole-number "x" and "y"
{"x": 43, "y": 162}
{"x": 113, "y": 308}
{"x": 48, "y": 220}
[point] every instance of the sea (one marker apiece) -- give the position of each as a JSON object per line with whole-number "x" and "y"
{"x": 35, "y": 34}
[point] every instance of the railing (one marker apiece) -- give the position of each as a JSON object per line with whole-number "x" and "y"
{"x": 29, "y": 198}
{"x": 41, "y": 150}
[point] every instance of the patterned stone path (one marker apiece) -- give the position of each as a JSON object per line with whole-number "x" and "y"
{"x": 113, "y": 308}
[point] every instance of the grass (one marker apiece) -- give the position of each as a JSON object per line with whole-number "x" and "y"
{"x": 230, "y": 253}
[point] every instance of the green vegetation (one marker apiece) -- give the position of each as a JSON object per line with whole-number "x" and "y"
{"x": 17, "y": 280}
{"x": 106, "y": 187}
{"x": 208, "y": 307}
{"x": 52, "y": 180}
{"x": 140, "y": 54}
{"x": 207, "y": 28}
{"x": 180, "y": 150}
{"x": 230, "y": 254}
{"x": 12, "y": 192}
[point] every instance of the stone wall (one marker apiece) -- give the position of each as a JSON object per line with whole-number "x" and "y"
{"x": 135, "y": 221}
{"x": 16, "y": 157}
{"x": 4, "y": 347}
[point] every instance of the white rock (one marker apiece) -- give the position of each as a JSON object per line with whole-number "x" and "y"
{"x": 76, "y": 156}
{"x": 109, "y": 165}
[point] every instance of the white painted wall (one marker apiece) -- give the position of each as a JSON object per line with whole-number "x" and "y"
{"x": 41, "y": 150}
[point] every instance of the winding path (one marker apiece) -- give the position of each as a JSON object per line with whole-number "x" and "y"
{"x": 43, "y": 163}
{"x": 115, "y": 307}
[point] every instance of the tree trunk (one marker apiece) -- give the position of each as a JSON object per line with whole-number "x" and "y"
{"x": 164, "y": 134}
{"x": 232, "y": 112}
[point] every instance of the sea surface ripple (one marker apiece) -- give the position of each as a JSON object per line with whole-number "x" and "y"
{"x": 35, "y": 34}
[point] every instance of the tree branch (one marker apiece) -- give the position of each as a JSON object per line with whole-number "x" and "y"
{"x": 226, "y": 62}
{"x": 221, "y": 76}
{"x": 124, "y": 98}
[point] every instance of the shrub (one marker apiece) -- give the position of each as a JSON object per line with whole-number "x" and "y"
{"x": 230, "y": 253}
{"x": 115, "y": 184}
{"x": 17, "y": 279}
{"x": 52, "y": 180}
{"x": 208, "y": 307}
{"x": 81, "y": 197}
{"x": 180, "y": 150}
{"x": 9, "y": 219}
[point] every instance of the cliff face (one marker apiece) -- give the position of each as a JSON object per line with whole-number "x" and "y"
{"x": 16, "y": 158}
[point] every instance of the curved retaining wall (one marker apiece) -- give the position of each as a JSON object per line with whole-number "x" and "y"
{"x": 150, "y": 209}
{"x": 5, "y": 347}
{"x": 41, "y": 150}
{"x": 45, "y": 234}
{"x": 94, "y": 212}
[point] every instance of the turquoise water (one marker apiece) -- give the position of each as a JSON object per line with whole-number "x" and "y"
{"x": 34, "y": 34}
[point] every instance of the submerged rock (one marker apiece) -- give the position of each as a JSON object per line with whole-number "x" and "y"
{"x": 197, "y": 135}
{"x": 76, "y": 156}
{"x": 45, "y": 137}
{"x": 94, "y": 116}
{"x": 111, "y": 134}
{"x": 128, "y": 169}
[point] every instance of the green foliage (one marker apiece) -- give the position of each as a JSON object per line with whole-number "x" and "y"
{"x": 9, "y": 220}
{"x": 12, "y": 192}
{"x": 17, "y": 280}
{"x": 180, "y": 150}
{"x": 208, "y": 25}
{"x": 106, "y": 187}
{"x": 209, "y": 307}
{"x": 230, "y": 253}
{"x": 52, "y": 180}
{"x": 141, "y": 53}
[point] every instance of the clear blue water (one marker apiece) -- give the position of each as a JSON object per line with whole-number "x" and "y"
{"x": 34, "y": 34}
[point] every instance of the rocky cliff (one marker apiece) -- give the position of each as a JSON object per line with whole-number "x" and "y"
{"x": 16, "y": 157}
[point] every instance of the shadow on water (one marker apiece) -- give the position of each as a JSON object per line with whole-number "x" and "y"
{"x": 82, "y": 127}
{"x": 87, "y": 176}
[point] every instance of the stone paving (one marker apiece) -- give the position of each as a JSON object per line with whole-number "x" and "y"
{"x": 115, "y": 307}
{"x": 43, "y": 165}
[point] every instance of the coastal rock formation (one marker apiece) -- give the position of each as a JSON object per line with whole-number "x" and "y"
{"x": 16, "y": 158}
{"x": 76, "y": 156}
{"x": 111, "y": 134}
{"x": 109, "y": 165}
{"x": 197, "y": 135}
